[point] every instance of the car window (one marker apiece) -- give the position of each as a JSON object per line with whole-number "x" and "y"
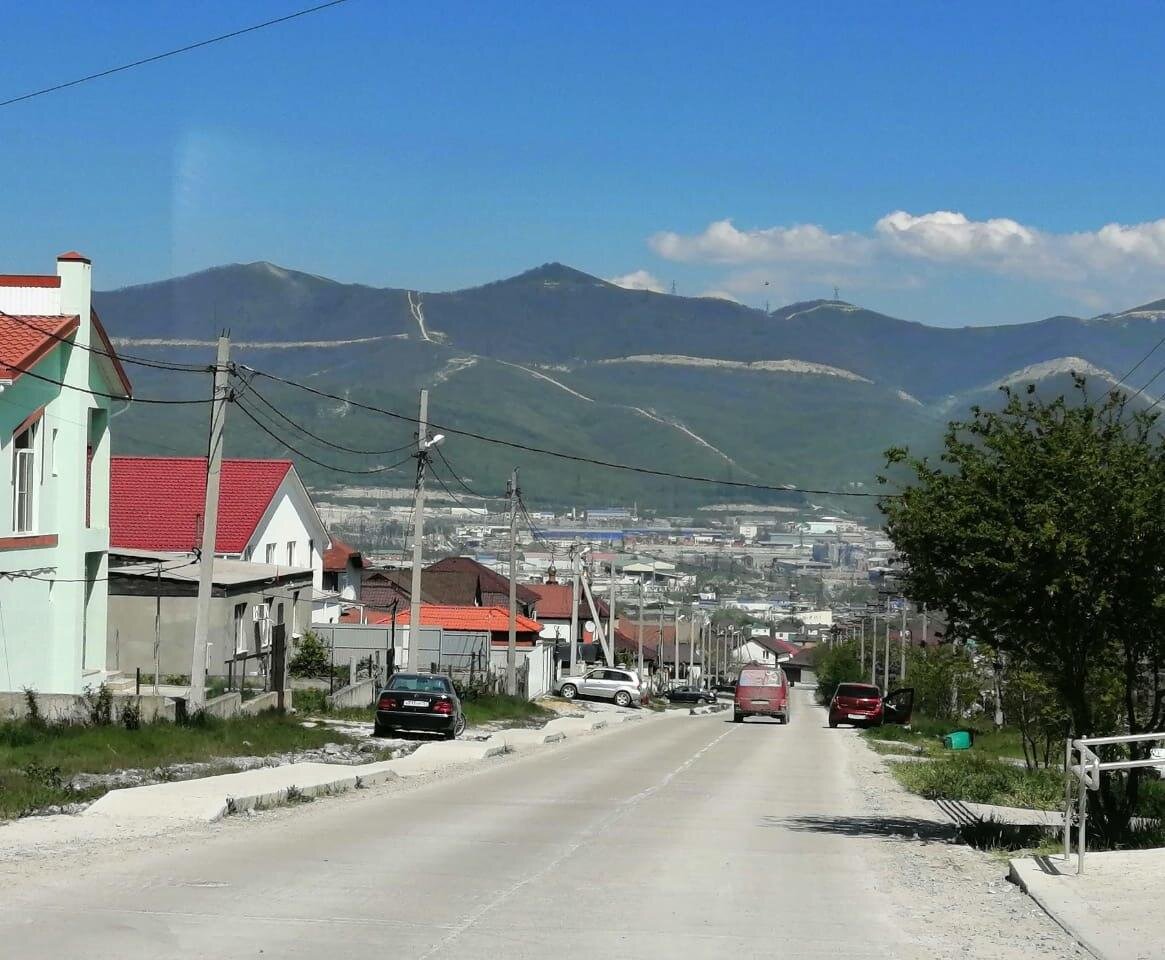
{"x": 760, "y": 678}
{"x": 420, "y": 684}
{"x": 856, "y": 690}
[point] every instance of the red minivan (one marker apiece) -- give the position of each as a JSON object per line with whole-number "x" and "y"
{"x": 761, "y": 692}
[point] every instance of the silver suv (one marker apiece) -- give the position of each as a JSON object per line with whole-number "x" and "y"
{"x": 605, "y": 683}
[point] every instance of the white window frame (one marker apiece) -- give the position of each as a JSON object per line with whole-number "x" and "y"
{"x": 248, "y": 554}
{"x": 24, "y": 499}
{"x": 291, "y": 553}
{"x": 241, "y": 645}
{"x": 269, "y": 554}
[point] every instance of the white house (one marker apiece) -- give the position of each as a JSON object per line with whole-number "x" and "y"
{"x": 61, "y": 384}
{"x": 265, "y": 514}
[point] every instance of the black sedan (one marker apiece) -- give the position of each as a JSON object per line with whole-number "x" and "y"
{"x": 691, "y": 695}
{"x": 419, "y": 701}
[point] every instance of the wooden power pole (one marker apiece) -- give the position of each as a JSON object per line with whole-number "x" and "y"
{"x": 419, "y": 539}
{"x": 512, "y": 639}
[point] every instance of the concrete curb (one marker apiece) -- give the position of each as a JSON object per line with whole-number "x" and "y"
{"x": 710, "y": 708}
{"x": 1062, "y": 905}
{"x": 211, "y": 798}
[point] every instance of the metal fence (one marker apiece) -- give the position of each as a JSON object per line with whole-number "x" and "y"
{"x": 1083, "y": 767}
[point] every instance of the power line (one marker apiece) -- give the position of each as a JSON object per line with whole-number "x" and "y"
{"x": 593, "y": 461}
{"x": 1136, "y": 366}
{"x": 32, "y": 574}
{"x": 170, "y": 53}
{"x": 456, "y": 476}
{"x": 249, "y": 414}
{"x": 250, "y": 390}
{"x": 98, "y": 393}
{"x": 124, "y": 358}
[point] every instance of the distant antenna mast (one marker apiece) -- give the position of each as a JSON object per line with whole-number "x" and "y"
{"x": 836, "y": 293}
{"x": 673, "y": 288}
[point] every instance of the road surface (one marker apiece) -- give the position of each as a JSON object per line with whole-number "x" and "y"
{"x": 690, "y": 837}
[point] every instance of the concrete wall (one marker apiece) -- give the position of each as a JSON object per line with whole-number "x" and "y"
{"x": 130, "y": 637}
{"x": 70, "y": 708}
{"x": 360, "y": 694}
{"x": 228, "y": 705}
{"x": 264, "y": 701}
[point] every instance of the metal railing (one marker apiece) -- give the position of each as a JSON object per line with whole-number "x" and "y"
{"x": 1086, "y": 774}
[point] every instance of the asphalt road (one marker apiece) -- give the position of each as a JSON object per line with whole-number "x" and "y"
{"x": 690, "y": 837}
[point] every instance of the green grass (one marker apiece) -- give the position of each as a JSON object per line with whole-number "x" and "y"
{"x": 927, "y": 733}
{"x": 980, "y": 779}
{"x": 501, "y": 707}
{"x": 36, "y": 761}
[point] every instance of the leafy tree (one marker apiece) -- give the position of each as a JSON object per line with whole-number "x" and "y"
{"x": 945, "y": 680}
{"x": 1041, "y": 532}
{"x": 311, "y": 657}
{"x": 833, "y": 666}
{"x": 1032, "y": 705}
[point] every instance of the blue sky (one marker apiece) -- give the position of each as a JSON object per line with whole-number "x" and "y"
{"x": 949, "y": 163}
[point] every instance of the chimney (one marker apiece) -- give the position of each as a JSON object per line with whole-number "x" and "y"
{"x": 552, "y": 574}
{"x": 76, "y": 273}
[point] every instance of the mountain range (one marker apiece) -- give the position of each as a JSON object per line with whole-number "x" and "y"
{"x": 809, "y": 394}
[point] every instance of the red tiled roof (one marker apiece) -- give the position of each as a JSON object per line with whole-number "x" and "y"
{"x": 74, "y": 256}
{"x": 25, "y": 340}
{"x": 553, "y": 600}
{"x": 28, "y": 280}
{"x": 337, "y": 555}
{"x": 156, "y": 503}
{"x": 493, "y": 619}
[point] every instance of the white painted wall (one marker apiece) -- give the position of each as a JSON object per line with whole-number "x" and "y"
{"x": 291, "y": 518}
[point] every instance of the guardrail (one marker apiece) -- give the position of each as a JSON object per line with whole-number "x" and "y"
{"x": 1086, "y": 773}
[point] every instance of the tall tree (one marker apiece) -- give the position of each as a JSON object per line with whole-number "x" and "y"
{"x": 1041, "y": 532}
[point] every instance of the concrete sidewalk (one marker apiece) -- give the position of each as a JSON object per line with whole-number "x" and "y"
{"x": 157, "y": 808}
{"x": 1115, "y": 909}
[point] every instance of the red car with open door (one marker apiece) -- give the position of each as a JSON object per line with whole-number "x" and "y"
{"x": 862, "y": 705}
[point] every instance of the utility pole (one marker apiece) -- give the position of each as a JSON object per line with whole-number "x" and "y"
{"x": 886, "y": 658}
{"x": 196, "y": 696}
{"x": 677, "y": 646}
{"x": 659, "y": 653}
{"x": 874, "y": 652}
{"x": 692, "y": 647}
{"x": 419, "y": 540}
{"x": 611, "y": 612}
{"x": 512, "y": 639}
{"x": 573, "y": 610}
{"x": 640, "y": 631}
{"x": 902, "y": 644}
{"x": 862, "y": 657}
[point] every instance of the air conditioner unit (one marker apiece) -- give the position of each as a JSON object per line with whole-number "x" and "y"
{"x": 262, "y": 612}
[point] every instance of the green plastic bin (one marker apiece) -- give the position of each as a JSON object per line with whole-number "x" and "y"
{"x": 959, "y": 740}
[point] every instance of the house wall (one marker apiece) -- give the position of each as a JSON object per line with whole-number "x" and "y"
{"x": 751, "y": 650}
{"x": 130, "y": 642}
{"x": 291, "y": 518}
{"x": 51, "y": 633}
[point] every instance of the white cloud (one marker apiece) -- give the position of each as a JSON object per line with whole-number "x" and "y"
{"x": 722, "y": 242}
{"x": 942, "y": 237}
{"x": 638, "y": 280}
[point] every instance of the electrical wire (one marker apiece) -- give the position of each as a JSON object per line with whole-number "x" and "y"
{"x": 456, "y": 476}
{"x": 123, "y": 358}
{"x": 250, "y": 390}
{"x": 169, "y": 53}
{"x": 1136, "y": 366}
{"x": 107, "y": 396}
{"x": 593, "y": 461}
{"x": 250, "y": 415}
{"x": 32, "y": 574}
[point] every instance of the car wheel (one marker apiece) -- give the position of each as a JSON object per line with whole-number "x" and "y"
{"x": 832, "y": 724}
{"x": 738, "y": 718}
{"x": 623, "y": 699}
{"x": 569, "y": 691}
{"x": 459, "y": 726}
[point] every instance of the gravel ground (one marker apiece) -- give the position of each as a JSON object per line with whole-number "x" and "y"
{"x": 948, "y": 893}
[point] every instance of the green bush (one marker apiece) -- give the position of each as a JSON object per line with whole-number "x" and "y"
{"x": 834, "y": 666}
{"x": 979, "y": 779}
{"x": 945, "y": 681}
{"x": 312, "y": 657}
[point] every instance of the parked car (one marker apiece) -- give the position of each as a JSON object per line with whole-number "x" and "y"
{"x": 605, "y": 683}
{"x": 726, "y": 686}
{"x": 691, "y": 695}
{"x": 862, "y": 705}
{"x": 761, "y": 691}
{"x": 419, "y": 701}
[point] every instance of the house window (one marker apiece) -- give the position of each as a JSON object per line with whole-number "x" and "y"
{"x": 291, "y": 553}
{"x": 23, "y": 477}
{"x": 294, "y": 613}
{"x": 270, "y": 549}
{"x": 311, "y": 552}
{"x": 248, "y": 554}
{"x": 240, "y": 628}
